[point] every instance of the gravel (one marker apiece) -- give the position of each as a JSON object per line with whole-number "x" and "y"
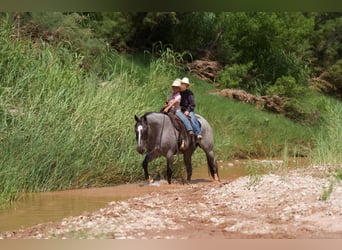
{"x": 289, "y": 205}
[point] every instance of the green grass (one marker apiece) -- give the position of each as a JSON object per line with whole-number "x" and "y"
{"x": 327, "y": 191}
{"x": 242, "y": 131}
{"x": 328, "y": 142}
{"x": 64, "y": 127}
{"x": 328, "y": 146}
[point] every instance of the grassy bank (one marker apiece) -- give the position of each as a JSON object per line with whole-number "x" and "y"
{"x": 244, "y": 132}
{"x": 63, "y": 127}
{"x": 328, "y": 146}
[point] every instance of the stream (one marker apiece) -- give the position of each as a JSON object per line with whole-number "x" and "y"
{"x": 37, "y": 208}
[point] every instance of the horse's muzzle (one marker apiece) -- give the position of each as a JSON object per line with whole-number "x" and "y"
{"x": 140, "y": 149}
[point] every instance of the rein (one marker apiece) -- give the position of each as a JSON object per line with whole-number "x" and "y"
{"x": 161, "y": 131}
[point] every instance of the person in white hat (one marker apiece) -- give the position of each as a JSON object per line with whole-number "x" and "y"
{"x": 174, "y": 98}
{"x": 188, "y": 105}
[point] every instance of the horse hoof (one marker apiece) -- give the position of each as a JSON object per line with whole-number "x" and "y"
{"x": 150, "y": 181}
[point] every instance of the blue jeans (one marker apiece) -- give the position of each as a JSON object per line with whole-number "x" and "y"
{"x": 195, "y": 124}
{"x": 184, "y": 119}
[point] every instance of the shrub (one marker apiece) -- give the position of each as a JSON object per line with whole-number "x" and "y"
{"x": 234, "y": 76}
{"x": 334, "y": 76}
{"x": 285, "y": 86}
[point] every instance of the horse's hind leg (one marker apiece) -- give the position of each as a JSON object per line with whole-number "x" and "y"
{"x": 188, "y": 165}
{"x": 212, "y": 165}
{"x": 169, "y": 162}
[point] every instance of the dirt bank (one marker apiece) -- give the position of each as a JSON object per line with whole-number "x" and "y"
{"x": 272, "y": 206}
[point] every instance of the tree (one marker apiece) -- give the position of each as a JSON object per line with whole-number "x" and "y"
{"x": 276, "y": 43}
{"x": 326, "y": 40}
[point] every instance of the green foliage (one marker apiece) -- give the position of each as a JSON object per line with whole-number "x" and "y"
{"x": 334, "y": 76}
{"x": 116, "y": 28}
{"x": 195, "y": 31}
{"x": 326, "y": 40}
{"x": 278, "y": 43}
{"x": 147, "y": 28}
{"x": 59, "y": 128}
{"x": 165, "y": 61}
{"x": 285, "y": 86}
{"x": 69, "y": 30}
{"x": 327, "y": 191}
{"x": 235, "y": 76}
{"x": 242, "y": 132}
{"x": 254, "y": 173}
{"x": 273, "y": 41}
{"x": 329, "y": 139}
{"x": 338, "y": 174}
{"x": 335, "y": 73}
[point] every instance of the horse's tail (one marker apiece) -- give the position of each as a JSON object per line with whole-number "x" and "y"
{"x": 212, "y": 166}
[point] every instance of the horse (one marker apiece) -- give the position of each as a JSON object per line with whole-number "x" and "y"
{"x": 157, "y": 135}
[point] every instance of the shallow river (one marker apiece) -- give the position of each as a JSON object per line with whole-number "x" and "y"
{"x": 39, "y": 208}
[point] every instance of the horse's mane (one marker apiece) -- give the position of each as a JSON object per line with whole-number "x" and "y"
{"x": 168, "y": 115}
{"x": 152, "y": 112}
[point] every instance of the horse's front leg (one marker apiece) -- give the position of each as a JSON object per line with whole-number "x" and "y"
{"x": 148, "y": 158}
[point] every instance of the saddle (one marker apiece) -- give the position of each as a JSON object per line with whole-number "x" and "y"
{"x": 179, "y": 126}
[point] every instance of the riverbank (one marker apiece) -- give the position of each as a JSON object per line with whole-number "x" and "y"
{"x": 287, "y": 205}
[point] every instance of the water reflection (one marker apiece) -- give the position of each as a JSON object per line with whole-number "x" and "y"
{"x": 39, "y": 208}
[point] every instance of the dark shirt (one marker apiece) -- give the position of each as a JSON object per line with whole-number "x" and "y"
{"x": 187, "y": 101}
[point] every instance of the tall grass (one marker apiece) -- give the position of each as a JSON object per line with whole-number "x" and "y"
{"x": 63, "y": 127}
{"x": 328, "y": 148}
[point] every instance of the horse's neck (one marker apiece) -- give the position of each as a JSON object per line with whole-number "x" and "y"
{"x": 156, "y": 119}
{"x": 156, "y": 124}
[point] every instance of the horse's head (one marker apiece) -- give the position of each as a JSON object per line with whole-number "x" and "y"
{"x": 141, "y": 129}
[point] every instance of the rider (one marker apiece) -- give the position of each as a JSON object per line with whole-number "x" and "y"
{"x": 188, "y": 105}
{"x": 174, "y": 98}
{"x": 173, "y": 105}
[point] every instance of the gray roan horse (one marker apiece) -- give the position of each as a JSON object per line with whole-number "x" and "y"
{"x": 156, "y": 133}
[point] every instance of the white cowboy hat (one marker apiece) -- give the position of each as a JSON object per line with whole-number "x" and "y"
{"x": 176, "y": 83}
{"x": 185, "y": 80}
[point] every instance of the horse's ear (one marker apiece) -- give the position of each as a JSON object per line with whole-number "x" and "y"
{"x": 136, "y": 118}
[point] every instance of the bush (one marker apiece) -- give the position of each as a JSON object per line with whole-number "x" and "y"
{"x": 334, "y": 77}
{"x": 285, "y": 86}
{"x": 234, "y": 76}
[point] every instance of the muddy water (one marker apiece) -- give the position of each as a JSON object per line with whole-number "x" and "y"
{"x": 39, "y": 208}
